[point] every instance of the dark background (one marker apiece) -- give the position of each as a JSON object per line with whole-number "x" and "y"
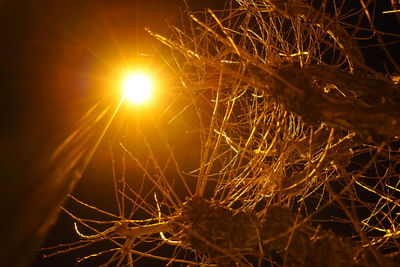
{"x": 57, "y": 59}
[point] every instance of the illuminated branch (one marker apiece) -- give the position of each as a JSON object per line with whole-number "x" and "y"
{"x": 121, "y": 229}
{"x": 365, "y": 105}
{"x": 292, "y": 8}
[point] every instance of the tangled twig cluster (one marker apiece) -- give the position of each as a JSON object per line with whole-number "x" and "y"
{"x": 293, "y": 125}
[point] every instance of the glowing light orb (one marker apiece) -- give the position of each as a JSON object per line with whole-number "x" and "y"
{"x": 137, "y": 88}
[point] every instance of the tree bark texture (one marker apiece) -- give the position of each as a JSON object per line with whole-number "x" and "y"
{"x": 363, "y": 104}
{"x": 226, "y": 235}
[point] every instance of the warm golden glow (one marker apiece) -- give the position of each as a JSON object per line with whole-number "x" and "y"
{"x": 137, "y": 88}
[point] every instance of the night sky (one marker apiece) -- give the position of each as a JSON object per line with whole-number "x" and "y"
{"x": 57, "y": 59}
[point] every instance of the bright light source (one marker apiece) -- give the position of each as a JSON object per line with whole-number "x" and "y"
{"x": 137, "y": 88}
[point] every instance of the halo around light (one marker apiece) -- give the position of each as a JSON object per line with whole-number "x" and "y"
{"x": 137, "y": 88}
